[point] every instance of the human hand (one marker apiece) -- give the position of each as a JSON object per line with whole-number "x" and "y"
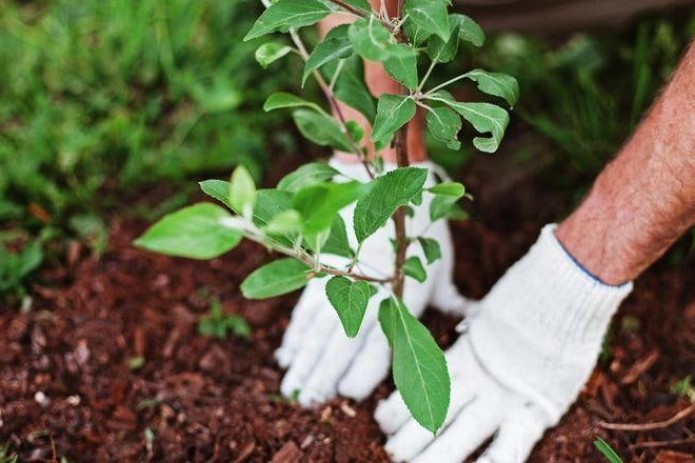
{"x": 321, "y": 360}
{"x": 525, "y": 355}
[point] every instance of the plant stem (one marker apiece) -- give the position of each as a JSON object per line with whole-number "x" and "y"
{"x": 427, "y": 76}
{"x": 253, "y": 233}
{"x": 445, "y": 84}
{"x": 401, "y": 144}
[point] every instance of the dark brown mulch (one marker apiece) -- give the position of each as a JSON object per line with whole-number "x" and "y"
{"x": 70, "y": 383}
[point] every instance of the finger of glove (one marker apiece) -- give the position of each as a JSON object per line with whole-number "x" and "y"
{"x": 324, "y": 325}
{"x": 336, "y": 357}
{"x": 473, "y": 425}
{"x": 391, "y": 414}
{"x": 412, "y": 438}
{"x": 517, "y": 436}
{"x": 304, "y": 313}
{"x": 369, "y": 368}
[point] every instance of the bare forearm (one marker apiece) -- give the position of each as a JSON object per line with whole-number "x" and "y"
{"x": 645, "y": 199}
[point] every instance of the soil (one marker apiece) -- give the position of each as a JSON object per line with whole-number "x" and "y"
{"x": 108, "y": 365}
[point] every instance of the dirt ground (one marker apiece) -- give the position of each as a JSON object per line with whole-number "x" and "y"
{"x": 108, "y": 366}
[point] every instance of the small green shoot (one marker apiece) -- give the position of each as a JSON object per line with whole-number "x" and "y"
{"x": 607, "y": 451}
{"x": 684, "y": 388}
{"x": 218, "y": 325}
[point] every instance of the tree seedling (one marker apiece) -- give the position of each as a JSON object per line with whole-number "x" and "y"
{"x": 300, "y": 218}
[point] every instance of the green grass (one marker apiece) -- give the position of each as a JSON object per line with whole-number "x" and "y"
{"x": 607, "y": 451}
{"x": 123, "y": 92}
{"x": 110, "y": 95}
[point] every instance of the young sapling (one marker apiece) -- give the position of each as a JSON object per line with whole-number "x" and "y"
{"x": 301, "y": 217}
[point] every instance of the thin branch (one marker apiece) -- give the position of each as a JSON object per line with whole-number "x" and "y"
{"x": 445, "y": 84}
{"x": 336, "y": 74}
{"x": 427, "y": 76}
{"x": 665, "y": 443}
{"x": 686, "y": 412}
{"x": 401, "y": 145}
{"x": 350, "y": 8}
{"x": 253, "y": 233}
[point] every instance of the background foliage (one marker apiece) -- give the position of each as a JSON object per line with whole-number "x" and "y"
{"x": 100, "y": 97}
{"x": 120, "y": 92}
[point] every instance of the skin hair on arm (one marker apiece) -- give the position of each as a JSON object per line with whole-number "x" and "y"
{"x": 644, "y": 200}
{"x": 379, "y": 82}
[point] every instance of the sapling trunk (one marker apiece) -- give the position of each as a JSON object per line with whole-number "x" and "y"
{"x": 401, "y": 145}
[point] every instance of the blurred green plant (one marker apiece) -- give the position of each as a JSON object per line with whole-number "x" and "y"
{"x": 219, "y": 325}
{"x": 684, "y": 388}
{"x": 6, "y": 454}
{"x": 103, "y": 95}
{"x": 120, "y": 92}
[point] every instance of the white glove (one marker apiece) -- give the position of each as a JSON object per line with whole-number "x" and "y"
{"x": 526, "y": 354}
{"x": 322, "y": 360}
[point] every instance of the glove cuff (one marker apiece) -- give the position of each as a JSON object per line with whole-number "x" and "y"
{"x": 581, "y": 304}
{"x": 540, "y": 329}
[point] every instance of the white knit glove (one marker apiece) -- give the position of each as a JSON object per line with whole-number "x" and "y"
{"x": 522, "y": 362}
{"x": 322, "y": 360}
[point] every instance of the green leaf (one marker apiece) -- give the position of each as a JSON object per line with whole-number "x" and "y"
{"x": 607, "y": 451}
{"x": 419, "y": 366}
{"x": 388, "y": 193}
{"x": 270, "y": 52}
{"x": 286, "y": 14}
{"x": 308, "y": 174}
{"x": 351, "y": 90}
{"x": 321, "y": 129}
{"x": 431, "y": 15}
{"x": 219, "y": 190}
{"x": 282, "y": 100}
{"x": 455, "y": 189}
{"x": 319, "y": 203}
{"x": 349, "y": 299}
{"x": 431, "y": 249}
{"x": 337, "y": 242}
{"x": 442, "y": 207}
{"x": 393, "y": 112}
{"x": 270, "y": 203}
{"x": 496, "y": 84}
{"x": 442, "y": 51}
{"x": 414, "y": 269}
{"x": 444, "y": 124}
{"x": 242, "y": 192}
{"x": 276, "y": 278}
{"x": 370, "y": 38}
{"x": 195, "y": 232}
{"x": 401, "y": 64}
{"x": 335, "y": 46}
{"x": 416, "y": 34}
{"x": 355, "y": 130}
{"x": 469, "y": 30}
{"x": 484, "y": 117}
{"x": 285, "y": 223}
